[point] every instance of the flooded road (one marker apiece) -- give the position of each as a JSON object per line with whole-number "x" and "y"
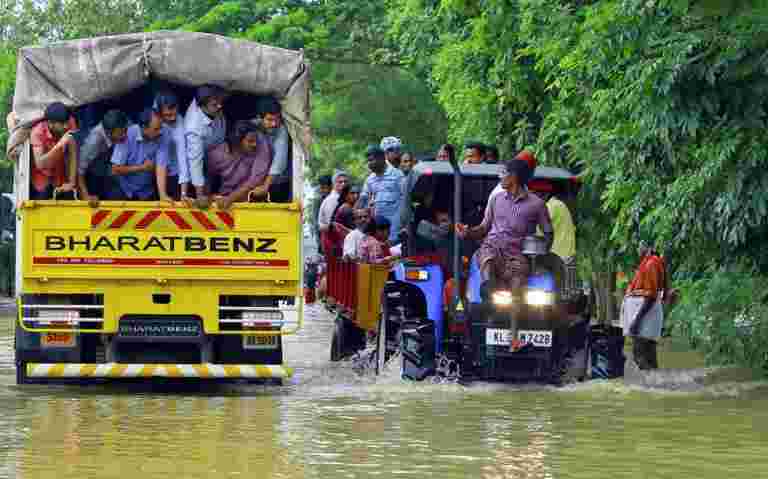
{"x": 331, "y": 422}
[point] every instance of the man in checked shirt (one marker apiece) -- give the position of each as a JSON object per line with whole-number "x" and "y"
{"x": 509, "y": 217}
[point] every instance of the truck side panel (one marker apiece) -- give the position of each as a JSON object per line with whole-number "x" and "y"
{"x": 121, "y": 240}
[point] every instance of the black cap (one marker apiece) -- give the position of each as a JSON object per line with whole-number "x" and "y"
{"x": 58, "y": 112}
{"x": 374, "y": 150}
{"x": 519, "y": 169}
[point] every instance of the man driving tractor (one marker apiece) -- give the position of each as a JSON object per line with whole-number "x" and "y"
{"x": 510, "y": 217}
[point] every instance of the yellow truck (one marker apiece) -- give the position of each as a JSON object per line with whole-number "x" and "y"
{"x": 127, "y": 289}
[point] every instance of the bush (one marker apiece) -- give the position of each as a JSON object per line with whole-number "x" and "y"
{"x": 725, "y": 316}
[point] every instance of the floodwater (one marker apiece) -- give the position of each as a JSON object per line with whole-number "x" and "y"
{"x": 330, "y": 421}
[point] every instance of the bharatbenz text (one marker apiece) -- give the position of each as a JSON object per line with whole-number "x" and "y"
{"x": 161, "y": 243}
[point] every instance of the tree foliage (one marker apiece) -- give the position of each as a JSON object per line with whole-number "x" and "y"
{"x": 662, "y": 103}
{"x": 360, "y": 91}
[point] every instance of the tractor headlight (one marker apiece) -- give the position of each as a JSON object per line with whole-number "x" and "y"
{"x": 502, "y": 298}
{"x": 537, "y": 297}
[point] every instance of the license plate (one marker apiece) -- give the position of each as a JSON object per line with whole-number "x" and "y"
{"x": 259, "y": 342}
{"x": 540, "y": 339}
{"x": 497, "y": 337}
{"x": 57, "y": 340}
{"x": 503, "y": 337}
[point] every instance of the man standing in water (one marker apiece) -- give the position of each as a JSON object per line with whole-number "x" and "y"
{"x": 641, "y": 312}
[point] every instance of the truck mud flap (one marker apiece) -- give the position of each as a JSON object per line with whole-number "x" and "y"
{"x": 417, "y": 346}
{"x": 607, "y": 350}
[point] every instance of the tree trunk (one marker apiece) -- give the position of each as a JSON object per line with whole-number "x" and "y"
{"x": 605, "y": 296}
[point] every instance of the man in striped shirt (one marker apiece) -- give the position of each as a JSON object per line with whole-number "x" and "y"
{"x": 509, "y": 217}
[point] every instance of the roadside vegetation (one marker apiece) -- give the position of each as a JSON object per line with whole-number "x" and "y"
{"x": 661, "y": 105}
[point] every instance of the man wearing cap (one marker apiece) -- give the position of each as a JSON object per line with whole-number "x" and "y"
{"x": 205, "y": 127}
{"x": 525, "y": 156}
{"x": 391, "y": 145}
{"x": 94, "y": 169}
{"x": 134, "y": 160}
{"x": 510, "y": 217}
{"x": 325, "y": 217}
{"x": 383, "y": 190}
{"x": 54, "y": 151}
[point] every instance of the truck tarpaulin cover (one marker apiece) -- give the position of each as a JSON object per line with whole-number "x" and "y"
{"x": 85, "y": 71}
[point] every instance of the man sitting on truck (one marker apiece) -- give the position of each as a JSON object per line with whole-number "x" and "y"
{"x": 352, "y": 240}
{"x": 94, "y": 170}
{"x": 170, "y": 176}
{"x": 133, "y": 161}
{"x": 205, "y": 128}
{"x": 509, "y": 217}
{"x": 54, "y": 153}
{"x": 271, "y": 122}
{"x": 243, "y": 164}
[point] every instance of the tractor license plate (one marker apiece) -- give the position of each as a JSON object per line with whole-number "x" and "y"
{"x": 497, "y": 337}
{"x": 540, "y": 339}
{"x": 57, "y": 340}
{"x": 259, "y": 342}
{"x": 503, "y": 337}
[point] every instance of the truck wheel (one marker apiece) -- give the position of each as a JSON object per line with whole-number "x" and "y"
{"x": 337, "y": 341}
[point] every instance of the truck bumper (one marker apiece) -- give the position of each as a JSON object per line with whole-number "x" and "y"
{"x": 173, "y": 371}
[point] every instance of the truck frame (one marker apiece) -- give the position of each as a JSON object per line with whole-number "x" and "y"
{"x": 146, "y": 289}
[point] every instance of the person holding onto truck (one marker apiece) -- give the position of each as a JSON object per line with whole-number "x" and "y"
{"x": 54, "y": 153}
{"x": 383, "y": 190}
{"x": 352, "y": 241}
{"x": 242, "y": 163}
{"x": 170, "y": 176}
{"x": 271, "y": 122}
{"x": 133, "y": 161}
{"x": 324, "y": 188}
{"x": 94, "y": 170}
{"x": 205, "y": 128}
{"x": 509, "y": 217}
{"x": 374, "y": 247}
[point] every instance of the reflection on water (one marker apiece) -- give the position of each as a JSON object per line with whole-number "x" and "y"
{"x": 331, "y": 422}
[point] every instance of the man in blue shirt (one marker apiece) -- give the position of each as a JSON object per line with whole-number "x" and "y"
{"x": 176, "y": 171}
{"x": 133, "y": 162}
{"x": 383, "y": 190}
{"x": 204, "y": 127}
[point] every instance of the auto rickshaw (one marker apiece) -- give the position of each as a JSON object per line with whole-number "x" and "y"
{"x": 464, "y": 332}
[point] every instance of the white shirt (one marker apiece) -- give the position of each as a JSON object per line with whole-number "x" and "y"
{"x": 351, "y": 243}
{"x": 202, "y": 133}
{"x": 326, "y": 210}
